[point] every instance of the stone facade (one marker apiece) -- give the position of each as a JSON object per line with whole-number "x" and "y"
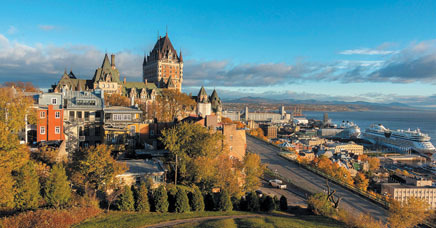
{"x": 163, "y": 66}
{"x": 235, "y": 140}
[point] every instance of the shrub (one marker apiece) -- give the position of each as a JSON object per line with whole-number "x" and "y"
{"x": 319, "y": 204}
{"x": 126, "y": 202}
{"x": 182, "y": 201}
{"x": 283, "y": 203}
{"x": 253, "y": 202}
{"x": 160, "y": 199}
{"x": 57, "y": 191}
{"x": 27, "y": 188}
{"x": 209, "y": 202}
{"x": 268, "y": 204}
{"x": 224, "y": 202}
{"x": 142, "y": 204}
{"x": 197, "y": 201}
{"x": 50, "y": 218}
{"x": 277, "y": 202}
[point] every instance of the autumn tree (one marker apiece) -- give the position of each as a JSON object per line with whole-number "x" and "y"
{"x": 22, "y": 86}
{"x": 373, "y": 162}
{"x": 115, "y": 99}
{"x": 46, "y": 155}
{"x": 57, "y": 191}
{"x": 16, "y": 109}
{"x": 27, "y": 188}
{"x": 361, "y": 181}
{"x": 239, "y": 124}
{"x": 226, "y": 120}
{"x": 253, "y": 170}
{"x": 95, "y": 167}
{"x": 409, "y": 213}
{"x": 171, "y": 104}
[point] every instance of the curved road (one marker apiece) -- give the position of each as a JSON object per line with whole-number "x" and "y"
{"x": 311, "y": 181}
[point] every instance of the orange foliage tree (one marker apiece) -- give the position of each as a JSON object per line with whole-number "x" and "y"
{"x": 117, "y": 100}
{"x": 23, "y": 86}
{"x": 361, "y": 181}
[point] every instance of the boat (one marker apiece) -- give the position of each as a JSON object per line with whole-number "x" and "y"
{"x": 402, "y": 140}
{"x": 346, "y": 130}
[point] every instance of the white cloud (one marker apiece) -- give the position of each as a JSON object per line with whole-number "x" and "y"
{"x": 12, "y": 30}
{"x": 47, "y": 27}
{"x": 367, "y": 51}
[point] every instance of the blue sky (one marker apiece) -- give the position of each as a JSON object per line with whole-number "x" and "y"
{"x": 379, "y": 51}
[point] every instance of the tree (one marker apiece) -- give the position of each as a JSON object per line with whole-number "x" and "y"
{"x": 97, "y": 167}
{"x": 182, "y": 201}
{"x": 361, "y": 181}
{"x": 268, "y": 204}
{"x": 6, "y": 188}
{"x": 253, "y": 202}
{"x": 57, "y": 191}
{"x": 171, "y": 104}
{"x": 283, "y": 203}
{"x": 112, "y": 194}
{"x": 15, "y": 109}
{"x": 142, "y": 203}
{"x": 46, "y": 155}
{"x": 160, "y": 199}
{"x": 126, "y": 201}
{"x": 22, "y": 86}
{"x": 320, "y": 204}
{"x": 253, "y": 170}
{"x": 409, "y": 213}
{"x": 226, "y": 120}
{"x": 224, "y": 201}
{"x": 197, "y": 201}
{"x": 239, "y": 124}
{"x": 27, "y": 188}
{"x": 117, "y": 100}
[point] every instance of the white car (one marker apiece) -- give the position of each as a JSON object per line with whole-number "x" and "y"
{"x": 276, "y": 183}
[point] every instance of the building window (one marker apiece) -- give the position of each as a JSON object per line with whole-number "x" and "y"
{"x": 231, "y": 148}
{"x": 97, "y": 131}
{"x": 231, "y": 138}
{"x": 71, "y": 115}
{"x": 122, "y": 117}
{"x": 57, "y": 115}
{"x": 97, "y": 114}
{"x": 57, "y": 130}
{"x": 79, "y": 115}
{"x": 42, "y": 115}
{"x": 86, "y": 116}
{"x": 42, "y": 130}
{"x": 54, "y": 101}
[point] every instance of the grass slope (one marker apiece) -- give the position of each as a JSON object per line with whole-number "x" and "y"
{"x": 268, "y": 221}
{"x": 134, "y": 219}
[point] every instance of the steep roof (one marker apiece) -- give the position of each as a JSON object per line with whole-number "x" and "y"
{"x": 164, "y": 44}
{"x": 214, "y": 95}
{"x": 202, "y": 92}
{"x": 106, "y": 68}
{"x": 128, "y": 86}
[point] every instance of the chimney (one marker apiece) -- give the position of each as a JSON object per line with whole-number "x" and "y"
{"x": 113, "y": 61}
{"x": 124, "y": 80}
{"x": 146, "y": 82}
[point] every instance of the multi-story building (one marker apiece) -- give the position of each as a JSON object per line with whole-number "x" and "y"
{"x": 401, "y": 192}
{"x": 270, "y": 131}
{"x": 350, "y": 147}
{"x": 163, "y": 66}
{"x": 107, "y": 77}
{"x": 83, "y": 118}
{"x": 50, "y": 118}
{"x": 235, "y": 140}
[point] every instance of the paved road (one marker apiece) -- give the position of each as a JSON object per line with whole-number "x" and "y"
{"x": 312, "y": 182}
{"x": 292, "y": 198}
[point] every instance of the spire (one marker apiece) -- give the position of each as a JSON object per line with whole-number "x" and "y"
{"x": 181, "y": 57}
{"x": 105, "y": 61}
{"x": 166, "y": 32}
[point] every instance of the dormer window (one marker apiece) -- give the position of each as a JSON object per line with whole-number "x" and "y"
{"x": 54, "y": 101}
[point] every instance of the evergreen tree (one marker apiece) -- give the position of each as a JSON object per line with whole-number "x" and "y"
{"x": 27, "y": 188}
{"x": 160, "y": 199}
{"x": 182, "y": 201}
{"x": 209, "y": 202}
{"x": 57, "y": 191}
{"x": 253, "y": 202}
{"x": 224, "y": 202}
{"x": 276, "y": 202}
{"x": 126, "y": 202}
{"x": 197, "y": 201}
{"x": 142, "y": 204}
{"x": 268, "y": 204}
{"x": 283, "y": 203}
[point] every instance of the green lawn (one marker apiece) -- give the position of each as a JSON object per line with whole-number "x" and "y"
{"x": 134, "y": 219}
{"x": 268, "y": 221}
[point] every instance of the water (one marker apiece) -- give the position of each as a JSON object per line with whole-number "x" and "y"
{"x": 424, "y": 120}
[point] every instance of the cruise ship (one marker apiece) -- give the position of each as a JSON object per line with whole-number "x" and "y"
{"x": 350, "y": 131}
{"x": 404, "y": 140}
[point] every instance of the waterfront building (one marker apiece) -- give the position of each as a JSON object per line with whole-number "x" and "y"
{"x": 163, "y": 66}
{"x": 350, "y": 147}
{"x": 401, "y": 192}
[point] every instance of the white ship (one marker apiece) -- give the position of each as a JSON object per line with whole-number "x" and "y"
{"x": 404, "y": 140}
{"x": 350, "y": 131}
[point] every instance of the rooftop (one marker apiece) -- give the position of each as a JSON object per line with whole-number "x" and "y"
{"x": 140, "y": 167}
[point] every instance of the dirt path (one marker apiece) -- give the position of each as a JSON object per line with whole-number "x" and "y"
{"x": 192, "y": 220}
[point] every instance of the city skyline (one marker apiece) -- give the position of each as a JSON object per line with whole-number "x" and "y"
{"x": 339, "y": 50}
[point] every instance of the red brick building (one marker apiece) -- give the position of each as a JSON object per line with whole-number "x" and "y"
{"x": 50, "y": 123}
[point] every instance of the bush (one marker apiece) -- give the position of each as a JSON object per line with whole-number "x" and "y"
{"x": 142, "y": 204}
{"x": 320, "y": 205}
{"x": 57, "y": 191}
{"x": 277, "y": 202}
{"x": 50, "y": 218}
{"x": 283, "y": 203}
{"x": 253, "y": 202}
{"x": 126, "y": 202}
{"x": 197, "y": 201}
{"x": 224, "y": 202}
{"x": 182, "y": 201}
{"x": 209, "y": 202}
{"x": 160, "y": 199}
{"x": 268, "y": 204}
{"x": 27, "y": 188}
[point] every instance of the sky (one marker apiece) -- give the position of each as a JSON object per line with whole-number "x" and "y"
{"x": 376, "y": 51}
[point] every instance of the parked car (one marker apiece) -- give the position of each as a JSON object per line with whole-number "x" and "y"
{"x": 276, "y": 183}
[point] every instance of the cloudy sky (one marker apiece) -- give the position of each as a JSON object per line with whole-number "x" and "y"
{"x": 377, "y": 51}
